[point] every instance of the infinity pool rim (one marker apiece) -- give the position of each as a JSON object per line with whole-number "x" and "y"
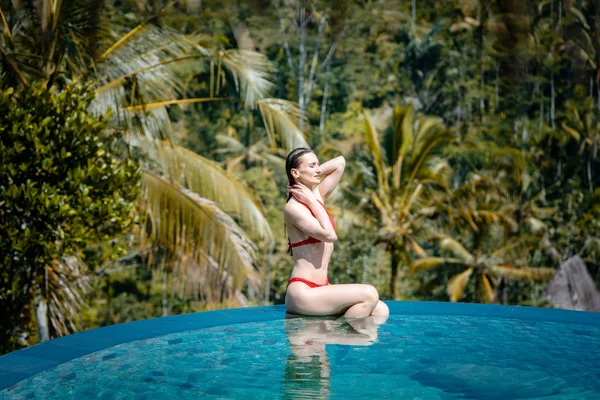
{"x": 24, "y": 363}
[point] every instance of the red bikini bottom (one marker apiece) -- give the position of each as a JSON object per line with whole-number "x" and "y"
{"x": 309, "y": 283}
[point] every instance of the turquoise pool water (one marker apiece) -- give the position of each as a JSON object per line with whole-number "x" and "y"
{"x": 423, "y": 351}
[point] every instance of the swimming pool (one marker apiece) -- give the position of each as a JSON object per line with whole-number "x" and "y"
{"x": 424, "y": 350}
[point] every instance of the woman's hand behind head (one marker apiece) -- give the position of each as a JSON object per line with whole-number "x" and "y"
{"x": 302, "y": 193}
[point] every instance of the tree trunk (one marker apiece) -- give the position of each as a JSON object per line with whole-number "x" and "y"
{"x": 497, "y": 86}
{"x": 598, "y": 104}
{"x": 501, "y": 294}
{"x": 315, "y": 59}
{"x": 413, "y": 14}
{"x": 301, "y": 62}
{"x": 481, "y": 54}
{"x": 41, "y": 316}
{"x": 324, "y": 102}
{"x": 552, "y": 101}
{"x": 395, "y": 265}
{"x": 589, "y": 175}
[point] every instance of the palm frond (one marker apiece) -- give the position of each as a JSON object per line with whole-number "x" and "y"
{"x": 157, "y": 104}
{"x": 275, "y": 159}
{"x": 278, "y": 116}
{"x": 427, "y": 126}
{"x": 413, "y": 244}
{"x": 6, "y": 26}
{"x": 251, "y": 74}
{"x": 206, "y": 281}
{"x": 486, "y": 293}
{"x": 406, "y": 207}
{"x": 209, "y": 180}
{"x": 534, "y": 225}
{"x": 406, "y": 131}
{"x": 372, "y": 140}
{"x": 141, "y": 68}
{"x": 229, "y": 145}
{"x": 128, "y": 36}
{"x": 457, "y": 284}
{"x": 457, "y": 250}
{"x": 428, "y": 263}
{"x": 346, "y": 219}
{"x": 511, "y": 250}
{"x": 397, "y": 139}
{"x": 423, "y": 149}
{"x": 189, "y": 225}
{"x": 522, "y": 273}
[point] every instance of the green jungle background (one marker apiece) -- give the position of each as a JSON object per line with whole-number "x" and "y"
{"x": 142, "y": 148}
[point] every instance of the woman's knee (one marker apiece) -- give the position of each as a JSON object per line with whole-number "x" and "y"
{"x": 381, "y": 310}
{"x": 371, "y": 294}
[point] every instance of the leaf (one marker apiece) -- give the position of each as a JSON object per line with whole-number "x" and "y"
{"x": 398, "y": 117}
{"x": 129, "y": 35}
{"x": 486, "y": 293}
{"x": 535, "y": 225}
{"x": 190, "y": 225}
{"x": 170, "y": 102}
{"x": 405, "y": 210}
{"x": 209, "y": 180}
{"x": 372, "y": 140}
{"x": 416, "y": 247}
{"x": 278, "y": 116}
{"x": 428, "y": 263}
{"x": 251, "y": 74}
{"x": 572, "y": 132}
{"x": 457, "y": 249}
{"x": 457, "y": 285}
{"x": 522, "y": 273}
{"x": 346, "y": 219}
{"x": 427, "y": 125}
{"x": 406, "y": 131}
{"x": 580, "y": 17}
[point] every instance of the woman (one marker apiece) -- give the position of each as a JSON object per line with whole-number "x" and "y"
{"x": 311, "y": 231}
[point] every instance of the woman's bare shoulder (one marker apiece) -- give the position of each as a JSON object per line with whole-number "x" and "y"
{"x": 294, "y": 210}
{"x": 291, "y": 207}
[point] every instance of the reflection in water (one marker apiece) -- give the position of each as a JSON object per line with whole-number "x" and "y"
{"x": 307, "y": 368}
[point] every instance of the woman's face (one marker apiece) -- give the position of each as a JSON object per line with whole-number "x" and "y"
{"x": 308, "y": 171}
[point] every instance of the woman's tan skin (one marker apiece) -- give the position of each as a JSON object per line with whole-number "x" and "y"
{"x": 311, "y": 261}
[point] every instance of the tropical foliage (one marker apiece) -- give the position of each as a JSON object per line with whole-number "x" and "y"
{"x": 470, "y": 130}
{"x": 62, "y": 189}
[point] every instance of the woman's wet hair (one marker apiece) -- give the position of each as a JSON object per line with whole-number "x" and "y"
{"x": 293, "y": 161}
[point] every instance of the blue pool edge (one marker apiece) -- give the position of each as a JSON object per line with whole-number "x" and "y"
{"x": 24, "y": 363}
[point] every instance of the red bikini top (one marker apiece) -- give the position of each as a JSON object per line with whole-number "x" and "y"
{"x": 312, "y": 240}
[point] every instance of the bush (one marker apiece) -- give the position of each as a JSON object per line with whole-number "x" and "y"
{"x": 61, "y": 188}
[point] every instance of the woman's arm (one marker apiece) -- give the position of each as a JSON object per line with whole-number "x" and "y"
{"x": 333, "y": 171}
{"x": 319, "y": 226}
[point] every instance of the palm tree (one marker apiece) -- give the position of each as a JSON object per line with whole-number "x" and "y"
{"x": 582, "y": 124}
{"x": 407, "y": 171}
{"x": 188, "y": 198}
{"x": 484, "y": 215}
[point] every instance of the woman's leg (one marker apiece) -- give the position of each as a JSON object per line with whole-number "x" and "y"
{"x": 381, "y": 310}
{"x": 354, "y": 300}
{"x": 380, "y": 313}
